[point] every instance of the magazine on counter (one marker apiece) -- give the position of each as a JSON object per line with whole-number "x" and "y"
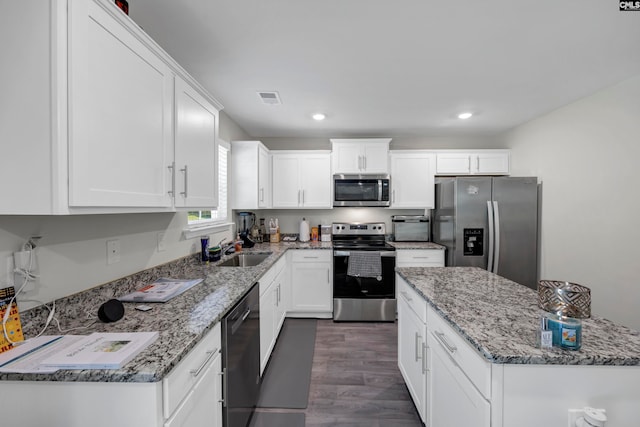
{"x": 161, "y": 290}
{"x": 102, "y": 350}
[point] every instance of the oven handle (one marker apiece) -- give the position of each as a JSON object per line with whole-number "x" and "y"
{"x": 382, "y": 253}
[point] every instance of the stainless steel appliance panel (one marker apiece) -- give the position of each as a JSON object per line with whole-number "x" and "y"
{"x": 516, "y": 229}
{"x": 471, "y": 226}
{"x": 411, "y": 228}
{"x": 241, "y": 360}
{"x": 489, "y": 223}
{"x": 364, "y": 310}
{"x": 361, "y": 190}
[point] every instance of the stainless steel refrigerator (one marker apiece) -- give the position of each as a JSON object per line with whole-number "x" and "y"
{"x": 489, "y": 222}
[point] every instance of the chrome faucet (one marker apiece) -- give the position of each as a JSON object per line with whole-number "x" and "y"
{"x": 225, "y": 248}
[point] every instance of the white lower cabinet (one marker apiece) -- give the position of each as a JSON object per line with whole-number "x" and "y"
{"x": 272, "y": 309}
{"x": 412, "y": 353}
{"x": 453, "y": 400}
{"x": 311, "y": 283}
{"x": 192, "y": 392}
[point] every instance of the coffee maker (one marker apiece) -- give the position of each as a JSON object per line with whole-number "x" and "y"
{"x": 245, "y": 222}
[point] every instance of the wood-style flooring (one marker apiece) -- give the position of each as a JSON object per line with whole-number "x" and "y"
{"x": 355, "y": 380}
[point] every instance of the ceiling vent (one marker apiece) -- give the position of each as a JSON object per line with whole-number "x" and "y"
{"x": 270, "y": 98}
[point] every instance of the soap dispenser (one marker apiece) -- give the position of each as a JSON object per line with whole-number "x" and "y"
{"x": 304, "y": 230}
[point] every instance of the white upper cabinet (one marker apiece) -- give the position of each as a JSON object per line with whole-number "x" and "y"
{"x": 120, "y": 100}
{"x": 481, "y": 162}
{"x": 114, "y": 114}
{"x": 250, "y": 175}
{"x": 196, "y": 159}
{"x": 301, "y": 179}
{"x": 412, "y": 179}
{"x": 360, "y": 156}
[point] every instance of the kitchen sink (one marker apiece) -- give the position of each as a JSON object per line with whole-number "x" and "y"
{"x": 245, "y": 260}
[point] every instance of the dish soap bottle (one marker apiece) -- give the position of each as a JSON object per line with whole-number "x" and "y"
{"x": 304, "y": 230}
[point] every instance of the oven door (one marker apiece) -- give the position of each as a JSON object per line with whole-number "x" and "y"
{"x": 361, "y": 190}
{"x": 345, "y": 286}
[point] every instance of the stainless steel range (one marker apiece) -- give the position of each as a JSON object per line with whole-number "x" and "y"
{"x": 363, "y": 273}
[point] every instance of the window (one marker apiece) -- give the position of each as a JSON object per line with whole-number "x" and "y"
{"x": 220, "y": 215}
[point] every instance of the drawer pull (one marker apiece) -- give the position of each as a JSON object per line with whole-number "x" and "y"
{"x": 443, "y": 340}
{"x": 417, "y": 346}
{"x": 210, "y": 354}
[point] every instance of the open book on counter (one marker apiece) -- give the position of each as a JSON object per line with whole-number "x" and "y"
{"x": 100, "y": 350}
{"x": 161, "y": 290}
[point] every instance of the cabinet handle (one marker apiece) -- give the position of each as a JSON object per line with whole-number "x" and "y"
{"x": 186, "y": 177}
{"x": 210, "y": 354}
{"x": 443, "y": 339}
{"x": 424, "y": 358}
{"x": 310, "y": 257}
{"x": 223, "y": 374}
{"x": 298, "y": 197}
{"x": 478, "y": 164}
{"x": 416, "y": 346}
{"x": 262, "y": 194}
{"x": 303, "y": 197}
{"x": 393, "y": 196}
{"x": 364, "y": 162}
{"x": 172, "y": 168}
{"x": 328, "y": 278}
{"x": 278, "y": 289}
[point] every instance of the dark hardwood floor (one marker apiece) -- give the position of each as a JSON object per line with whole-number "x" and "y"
{"x": 355, "y": 380}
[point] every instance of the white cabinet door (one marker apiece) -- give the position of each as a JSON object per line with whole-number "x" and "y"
{"x": 264, "y": 177}
{"x": 196, "y": 160}
{"x": 376, "y": 158}
{"x": 120, "y": 115}
{"x": 282, "y": 291}
{"x": 412, "y": 354}
{"x": 301, "y": 180}
{"x": 286, "y": 188}
{"x": 357, "y": 156}
{"x": 267, "y": 322}
{"x": 311, "y": 290}
{"x": 484, "y": 162}
{"x": 250, "y": 175}
{"x": 496, "y": 163}
{"x": 412, "y": 180}
{"x": 347, "y": 158}
{"x": 201, "y": 407}
{"x": 454, "y": 401}
{"x": 453, "y": 163}
{"x": 315, "y": 181}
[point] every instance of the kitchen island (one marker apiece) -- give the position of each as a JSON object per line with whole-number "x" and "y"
{"x": 473, "y": 334}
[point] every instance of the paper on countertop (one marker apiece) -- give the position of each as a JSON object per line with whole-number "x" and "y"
{"x": 27, "y": 357}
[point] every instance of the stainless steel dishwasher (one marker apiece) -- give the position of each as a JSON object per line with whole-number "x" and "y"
{"x": 241, "y": 360}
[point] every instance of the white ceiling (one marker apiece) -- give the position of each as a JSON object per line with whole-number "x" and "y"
{"x": 395, "y": 67}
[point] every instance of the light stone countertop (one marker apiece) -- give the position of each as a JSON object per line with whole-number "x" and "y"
{"x": 182, "y": 322}
{"x": 499, "y": 319}
{"x": 416, "y": 245}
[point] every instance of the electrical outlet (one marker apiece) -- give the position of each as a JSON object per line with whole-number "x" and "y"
{"x": 161, "y": 243}
{"x": 9, "y": 274}
{"x": 113, "y": 251}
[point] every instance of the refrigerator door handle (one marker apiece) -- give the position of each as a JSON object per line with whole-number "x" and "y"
{"x": 490, "y": 216}
{"x": 496, "y": 216}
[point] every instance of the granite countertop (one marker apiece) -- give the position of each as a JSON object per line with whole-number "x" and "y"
{"x": 416, "y": 245}
{"x": 182, "y": 322}
{"x": 499, "y": 318}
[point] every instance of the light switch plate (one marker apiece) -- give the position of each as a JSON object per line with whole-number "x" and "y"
{"x": 161, "y": 244}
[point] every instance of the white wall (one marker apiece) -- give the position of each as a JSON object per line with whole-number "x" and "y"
{"x": 586, "y": 155}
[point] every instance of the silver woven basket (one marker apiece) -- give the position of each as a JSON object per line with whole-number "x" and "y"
{"x": 564, "y": 298}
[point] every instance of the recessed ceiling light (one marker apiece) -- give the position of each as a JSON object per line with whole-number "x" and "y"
{"x": 464, "y": 116}
{"x": 319, "y": 116}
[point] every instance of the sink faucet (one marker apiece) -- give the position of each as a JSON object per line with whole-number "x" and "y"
{"x": 226, "y": 247}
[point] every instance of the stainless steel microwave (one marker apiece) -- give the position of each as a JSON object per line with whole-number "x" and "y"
{"x": 361, "y": 190}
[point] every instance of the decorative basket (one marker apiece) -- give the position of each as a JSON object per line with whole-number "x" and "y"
{"x": 564, "y": 298}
